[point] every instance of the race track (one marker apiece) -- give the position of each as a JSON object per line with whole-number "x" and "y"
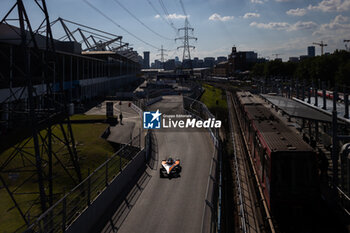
{"x": 173, "y": 205}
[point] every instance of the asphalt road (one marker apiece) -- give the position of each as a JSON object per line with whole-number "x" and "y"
{"x": 173, "y": 205}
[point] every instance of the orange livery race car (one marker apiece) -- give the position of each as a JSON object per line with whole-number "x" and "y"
{"x": 170, "y": 168}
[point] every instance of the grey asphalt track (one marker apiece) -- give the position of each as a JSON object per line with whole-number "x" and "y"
{"x": 172, "y": 205}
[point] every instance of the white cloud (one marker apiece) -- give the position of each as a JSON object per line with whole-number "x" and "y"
{"x": 331, "y": 5}
{"x": 251, "y": 15}
{"x": 285, "y": 26}
{"x": 157, "y": 16}
{"x": 296, "y": 12}
{"x": 337, "y": 26}
{"x": 283, "y": 0}
{"x": 300, "y": 25}
{"x": 257, "y": 1}
{"x": 176, "y": 16}
{"x": 271, "y": 25}
{"x": 217, "y": 17}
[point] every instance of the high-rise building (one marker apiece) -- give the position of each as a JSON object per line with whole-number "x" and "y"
{"x": 146, "y": 59}
{"x": 311, "y": 51}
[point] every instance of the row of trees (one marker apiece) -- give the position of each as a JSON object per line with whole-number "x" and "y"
{"x": 333, "y": 68}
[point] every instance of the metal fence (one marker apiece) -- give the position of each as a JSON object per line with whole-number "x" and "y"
{"x": 64, "y": 212}
{"x": 213, "y": 194}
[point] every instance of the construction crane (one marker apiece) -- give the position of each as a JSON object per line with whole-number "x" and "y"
{"x": 276, "y": 55}
{"x": 346, "y": 45}
{"x": 321, "y": 45}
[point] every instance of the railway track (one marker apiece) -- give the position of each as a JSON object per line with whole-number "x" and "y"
{"x": 253, "y": 212}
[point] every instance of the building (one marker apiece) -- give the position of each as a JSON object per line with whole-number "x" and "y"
{"x": 293, "y": 59}
{"x": 145, "y": 60}
{"x": 157, "y": 64}
{"x": 187, "y": 64}
{"x": 221, "y": 59}
{"x": 169, "y": 64}
{"x": 242, "y": 60}
{"x": 85, "y": 74}
{"x": 222, "y": 69}
{"x": 209, "y": 61}
{"x": 195, "y": 62}
{"x": 140, "y": 60}
{"x": 311, "y": 51}
{"x": 250, "y": 56}
{"x": 200, "y": 63}
{"x": 303, "y": 57}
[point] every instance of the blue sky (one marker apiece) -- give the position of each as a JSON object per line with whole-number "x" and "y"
{"x": 268, "y": 27}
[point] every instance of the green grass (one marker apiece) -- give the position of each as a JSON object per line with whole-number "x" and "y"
{"x": 92, "y": 151}
{"x": 213, "y": 97}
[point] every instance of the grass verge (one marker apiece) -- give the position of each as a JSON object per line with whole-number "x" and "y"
{"x": 92, "y": 151}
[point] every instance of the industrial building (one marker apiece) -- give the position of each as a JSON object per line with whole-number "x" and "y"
{"x": 241, "y": 60}
{"x": 80, "y": 74}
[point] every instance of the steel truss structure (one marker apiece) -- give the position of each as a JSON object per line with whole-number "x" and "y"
{"x": 91, "y": 38}
{"x": 36, "y": 136}
{"x": 186, "y": 46}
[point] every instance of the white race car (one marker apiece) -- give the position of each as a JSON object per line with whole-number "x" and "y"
{"x": 170, "y": 168}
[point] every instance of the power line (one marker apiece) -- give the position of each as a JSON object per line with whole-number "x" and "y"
{"x": 184, "y": 10}
{"x": 183, "y": 7}
{"x": 161, "y": 3}
{"x": 150, "y": 29}
{"x": 160, "y": 15}
{"x": 116, "y": 24}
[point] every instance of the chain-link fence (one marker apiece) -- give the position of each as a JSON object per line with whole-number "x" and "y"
{"x": 64, "y": 212}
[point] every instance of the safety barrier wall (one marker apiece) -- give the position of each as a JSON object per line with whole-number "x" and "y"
{"x": 80, "y": 200}
{"x": 212, "y": 205}
{"x": 90, "y": 217}
{"x": 136, "y": 109}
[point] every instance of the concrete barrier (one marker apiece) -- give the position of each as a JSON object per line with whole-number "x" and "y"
{"x": 89, "y": 219}
{"x": 154, "y": 100}
{"x": 136, "y": 109}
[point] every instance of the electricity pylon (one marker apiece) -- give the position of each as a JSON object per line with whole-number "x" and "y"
{"x": 186, "y": 46}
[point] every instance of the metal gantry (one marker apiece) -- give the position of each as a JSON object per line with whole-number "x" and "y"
{"x": 35, "y": 131}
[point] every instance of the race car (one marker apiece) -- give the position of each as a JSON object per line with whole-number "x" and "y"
{"x": 170, "y": 168}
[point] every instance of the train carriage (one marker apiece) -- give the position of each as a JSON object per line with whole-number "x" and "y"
{"x": 286, "y": 166}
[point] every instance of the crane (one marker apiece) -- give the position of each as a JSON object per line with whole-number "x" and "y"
{"x": 346, "y": 45}
{"x": 321, "y": 45}
{"x": 276, "y": 54}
